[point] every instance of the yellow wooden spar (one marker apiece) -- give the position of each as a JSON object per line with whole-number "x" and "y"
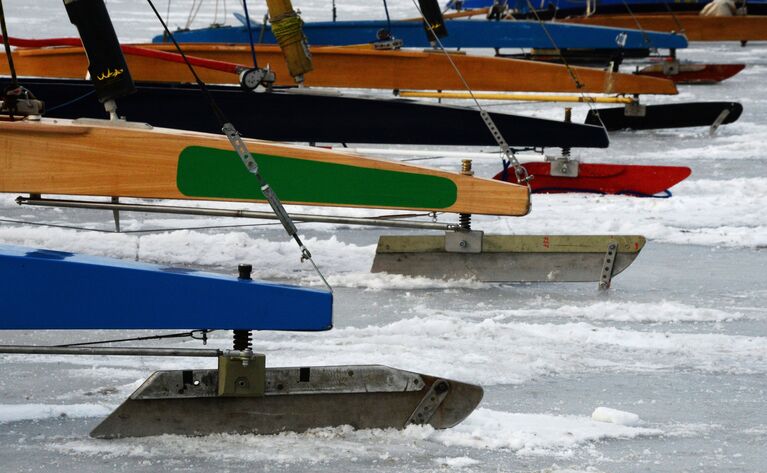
{"x": 516, "y": 97}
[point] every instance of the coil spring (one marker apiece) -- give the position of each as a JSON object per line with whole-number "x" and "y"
{"x": 464, "y": 220}
{"x": 242, "y": 340}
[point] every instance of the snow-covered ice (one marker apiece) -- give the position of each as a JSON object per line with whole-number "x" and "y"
{"x": 666, "y": 372}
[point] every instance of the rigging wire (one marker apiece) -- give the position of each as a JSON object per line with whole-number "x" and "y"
{"x": 510, "y": 157}
{"x": 388, "y": 18}
{"x": 167, "y": 13}
{"x": 250, "y": 33}
{"x": 639, "y": 26}
{"x": 573, "y": 76}
{"x": 203, "y": 335}
{"x": 149, "y": 230}
{"x": 673, "y": 15}
{"x": 14, "y": 78}
{"x": 196, "y": 4}
{"x": 247, "y": 159}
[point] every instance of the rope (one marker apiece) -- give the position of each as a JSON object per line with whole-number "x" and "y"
{"x": 66, "y": 104}
{"x": 287, "y": 29}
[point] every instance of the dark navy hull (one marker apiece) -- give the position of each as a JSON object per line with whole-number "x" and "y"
{"x": 679, "y": 115}
{"x": 291, "y": 115}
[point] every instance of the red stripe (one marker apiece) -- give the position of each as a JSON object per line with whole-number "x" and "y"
{"x": 223, "y": 66}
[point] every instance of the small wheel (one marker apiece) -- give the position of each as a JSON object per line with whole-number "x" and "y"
{"x": 251, "y": 78}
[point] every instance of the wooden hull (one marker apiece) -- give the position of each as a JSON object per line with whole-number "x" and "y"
{"x": 71, "y": 158}
{"x": 696, "y": 28}
{"x": 355, "y": 68}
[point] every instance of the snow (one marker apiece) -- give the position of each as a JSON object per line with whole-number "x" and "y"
{"x": 535, "y": 434}
{"x": 21, "y": 412}
{"x": 615, "y": 416}
{"x": 485, "y": 429}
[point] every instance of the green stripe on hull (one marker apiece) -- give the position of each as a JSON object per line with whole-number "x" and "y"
{"x": 214, "y": 173}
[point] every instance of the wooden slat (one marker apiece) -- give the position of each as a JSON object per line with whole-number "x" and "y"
{"x": 357, "y": 68}
{"x": 696, "y": 27}
{"x": 63, "y": 157}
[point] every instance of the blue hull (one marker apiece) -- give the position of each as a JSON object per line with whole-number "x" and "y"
{"x": 461, "y": 34}
{"x": 579, "y": 5}
{"x": 43, "y": 289}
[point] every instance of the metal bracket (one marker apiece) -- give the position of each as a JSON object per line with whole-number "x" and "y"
{"x": 464, "y": 241}
{"x": 23, "y": 108}
{"x": 719, "y": 120}
{"x": 671, "y": 68}
{"x": 242, "y": 376}
{"x": 116, "y": 213}
{"x": 119, "y": 123}
{"x": 430, "y": 403}
{"x": 388, "y": 44}
{"x": 607, "y": 266}
{"x": 564, "y": 167}
{"x": 635, "y": 109}
{"x": 251, "y": 78}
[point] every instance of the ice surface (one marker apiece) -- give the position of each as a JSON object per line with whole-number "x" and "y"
{"x": 681, "y": 339}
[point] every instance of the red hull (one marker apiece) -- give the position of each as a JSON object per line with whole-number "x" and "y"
{"x": 695, "y": 73}
{"x": 604, "y": 178}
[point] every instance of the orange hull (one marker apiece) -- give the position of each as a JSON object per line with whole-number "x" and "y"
{"x": 696, "y": 27}
{"x": 355, "y": 68}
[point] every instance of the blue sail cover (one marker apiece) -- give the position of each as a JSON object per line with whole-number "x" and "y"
{"x": 44, "y": 289}
{"x": 476, "y": 33}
